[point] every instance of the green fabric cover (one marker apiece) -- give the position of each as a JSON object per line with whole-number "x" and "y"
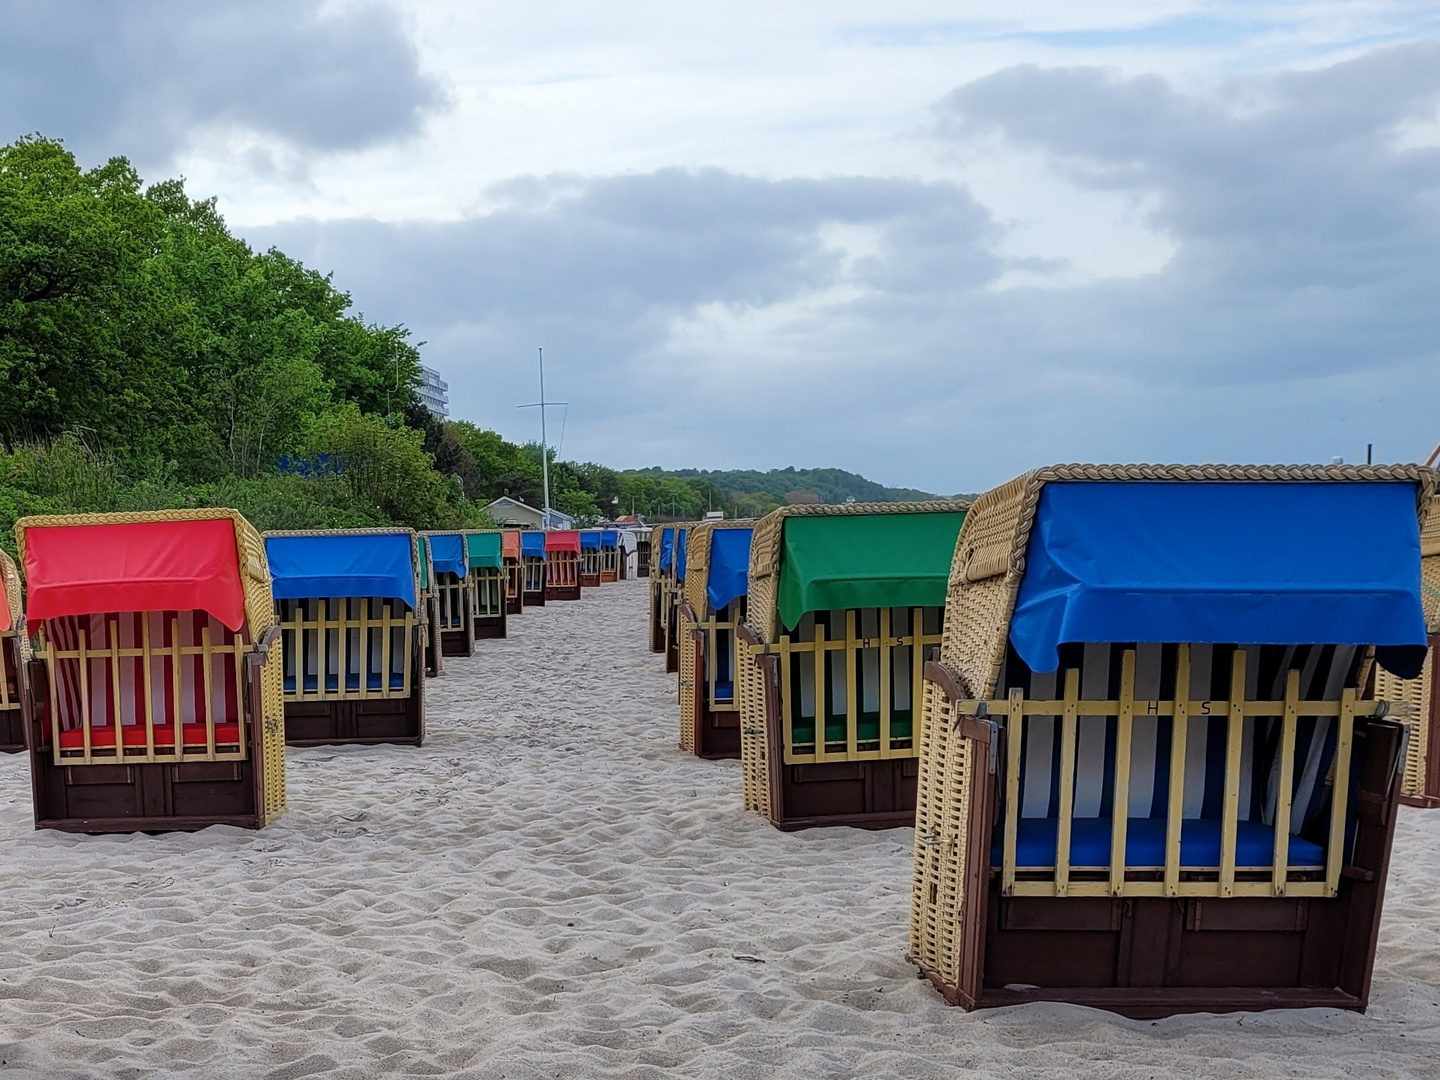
{"x": 482, "y": 551}
{"x": 422, "y": 556}
{"x": 865, "y": 560}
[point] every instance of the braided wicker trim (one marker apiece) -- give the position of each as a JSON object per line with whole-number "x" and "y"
{"x": 10, "y": 580}
{"x": 1430, "y": 530}
{"x": 765, "y": 547}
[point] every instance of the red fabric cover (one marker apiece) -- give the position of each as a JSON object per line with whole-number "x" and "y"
{"x": 562, "y": 541}
{"x": 104, "y": 737}
{"x": 4, "y": 612}
{"x": 510, "y": 545}
{"x": 141, "y": 566}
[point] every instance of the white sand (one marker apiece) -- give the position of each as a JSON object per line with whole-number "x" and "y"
{"x": 549, "y": 888}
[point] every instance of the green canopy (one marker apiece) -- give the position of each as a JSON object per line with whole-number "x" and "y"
{"x": 839, "y": 561}
{"x": 422, "y": 556}
{"x": 482, "y": 550}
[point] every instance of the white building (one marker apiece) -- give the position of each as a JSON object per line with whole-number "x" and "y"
{"x": 515, "y": 514}
{"x": 434, "y": 392}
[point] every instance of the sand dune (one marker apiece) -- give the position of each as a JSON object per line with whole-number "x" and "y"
{"x": 550, "y": 889}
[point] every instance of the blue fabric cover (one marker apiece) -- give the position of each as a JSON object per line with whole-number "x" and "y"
{"x": 1283, "y": 564}
{"x": 1145, "y": 844}
{"x": 609, "y": 538}
{"x": 680, "y": 555}
{"x": 589, "y": 541}
{"x": 532, "y": 544}
{"x": 729, "y": 566}
{"x": 447, "y": 554}
{"x": 667, "y": 548}
{"x": 374, "y": 564}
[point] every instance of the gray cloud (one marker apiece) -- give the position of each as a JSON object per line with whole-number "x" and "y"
{"x": 712, "y": 319}
{"x": 138, "y": 78}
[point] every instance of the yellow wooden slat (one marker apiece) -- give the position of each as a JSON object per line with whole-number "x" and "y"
{"x": 852, "y": 706}
{"x": 1069, "y": 722}
{"x": 1285, "y": 793}
{"x": 1340, "y": 792}
{"x": 1120, "y": 807}
{"x": 1014, "y": 745}
{"x": 1230, "y": 811}
{"x": 1179, "y": 737}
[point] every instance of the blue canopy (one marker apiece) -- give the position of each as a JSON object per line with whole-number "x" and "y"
{"x": 589, "y": 541}
{"x": 447, "y": 554}
{"x": 729, "y": 566}
{"x": 680, "y": 555}
{"x": 361, "y": 564}
{"x": 532, "y": 544}
{"x": 1244, "y": 563}
{"x": 667, "y": 548}
{"x": 609, "y": 538}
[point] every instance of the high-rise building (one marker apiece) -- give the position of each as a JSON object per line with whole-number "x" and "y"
{"x": 434, "y": 392}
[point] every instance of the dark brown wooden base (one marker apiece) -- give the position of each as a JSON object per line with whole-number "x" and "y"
{"x": 12, "y": 731}
{"x": 514, "y": 605}
{"x": 146, "y": 797}
{"x": 562, "y": 592}
{"x": 590, "y": 581}
{"x": 608, "y": 577}
{"x": 1154, "y": 956}
{"x": 368, "y": 722}
{"x": 491, "y": 626}
{"x": 532, "y": 599}
{"x": 457, "y": 643}
{"x": 862, "y": 794}
{"x": 1159, "y": 1002}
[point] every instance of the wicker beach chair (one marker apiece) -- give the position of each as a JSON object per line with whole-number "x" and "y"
{"x": 352, "y": 635}
{"x": 712, "y": 605}
{"x": 591, "y": 559}
{"x": 845, "y": 604}
{"x": 1167, "y": 662}
{"x": 429, "y": 611}
{"x": 536, "y": 567}
{"x": 454, "y": 621}
{"x": 611, "y": 558}
{"x": 14, "y": 651}
{"x": 514, "y": 573}
{"x": 658, "y": 599}
{"x": 562, "y": 565}
{"x": 644, "y": 544}
{"x": 1421, "y": 708}
{"x": 154, "y": 700}
{"x": 672, "y": 572}
{"x": 487, "y": 583}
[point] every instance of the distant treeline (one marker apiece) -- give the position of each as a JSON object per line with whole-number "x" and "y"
{"x": 149, "y": 359}
{"x": 789, "y": 485}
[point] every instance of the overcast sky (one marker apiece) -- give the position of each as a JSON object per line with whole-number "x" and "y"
{"x": 934, "y": 250}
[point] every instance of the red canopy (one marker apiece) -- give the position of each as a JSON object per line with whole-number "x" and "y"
{"x": 510, "y": 545}
{"x": 138, "y": 566}
{"x": 562, "y": 541}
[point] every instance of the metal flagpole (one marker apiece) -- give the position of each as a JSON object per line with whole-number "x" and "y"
{"x": 544, "y": 440}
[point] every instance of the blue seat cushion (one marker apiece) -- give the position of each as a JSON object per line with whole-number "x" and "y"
{"x": 352, "y": 682}
{"x": 1145, "y": 845}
